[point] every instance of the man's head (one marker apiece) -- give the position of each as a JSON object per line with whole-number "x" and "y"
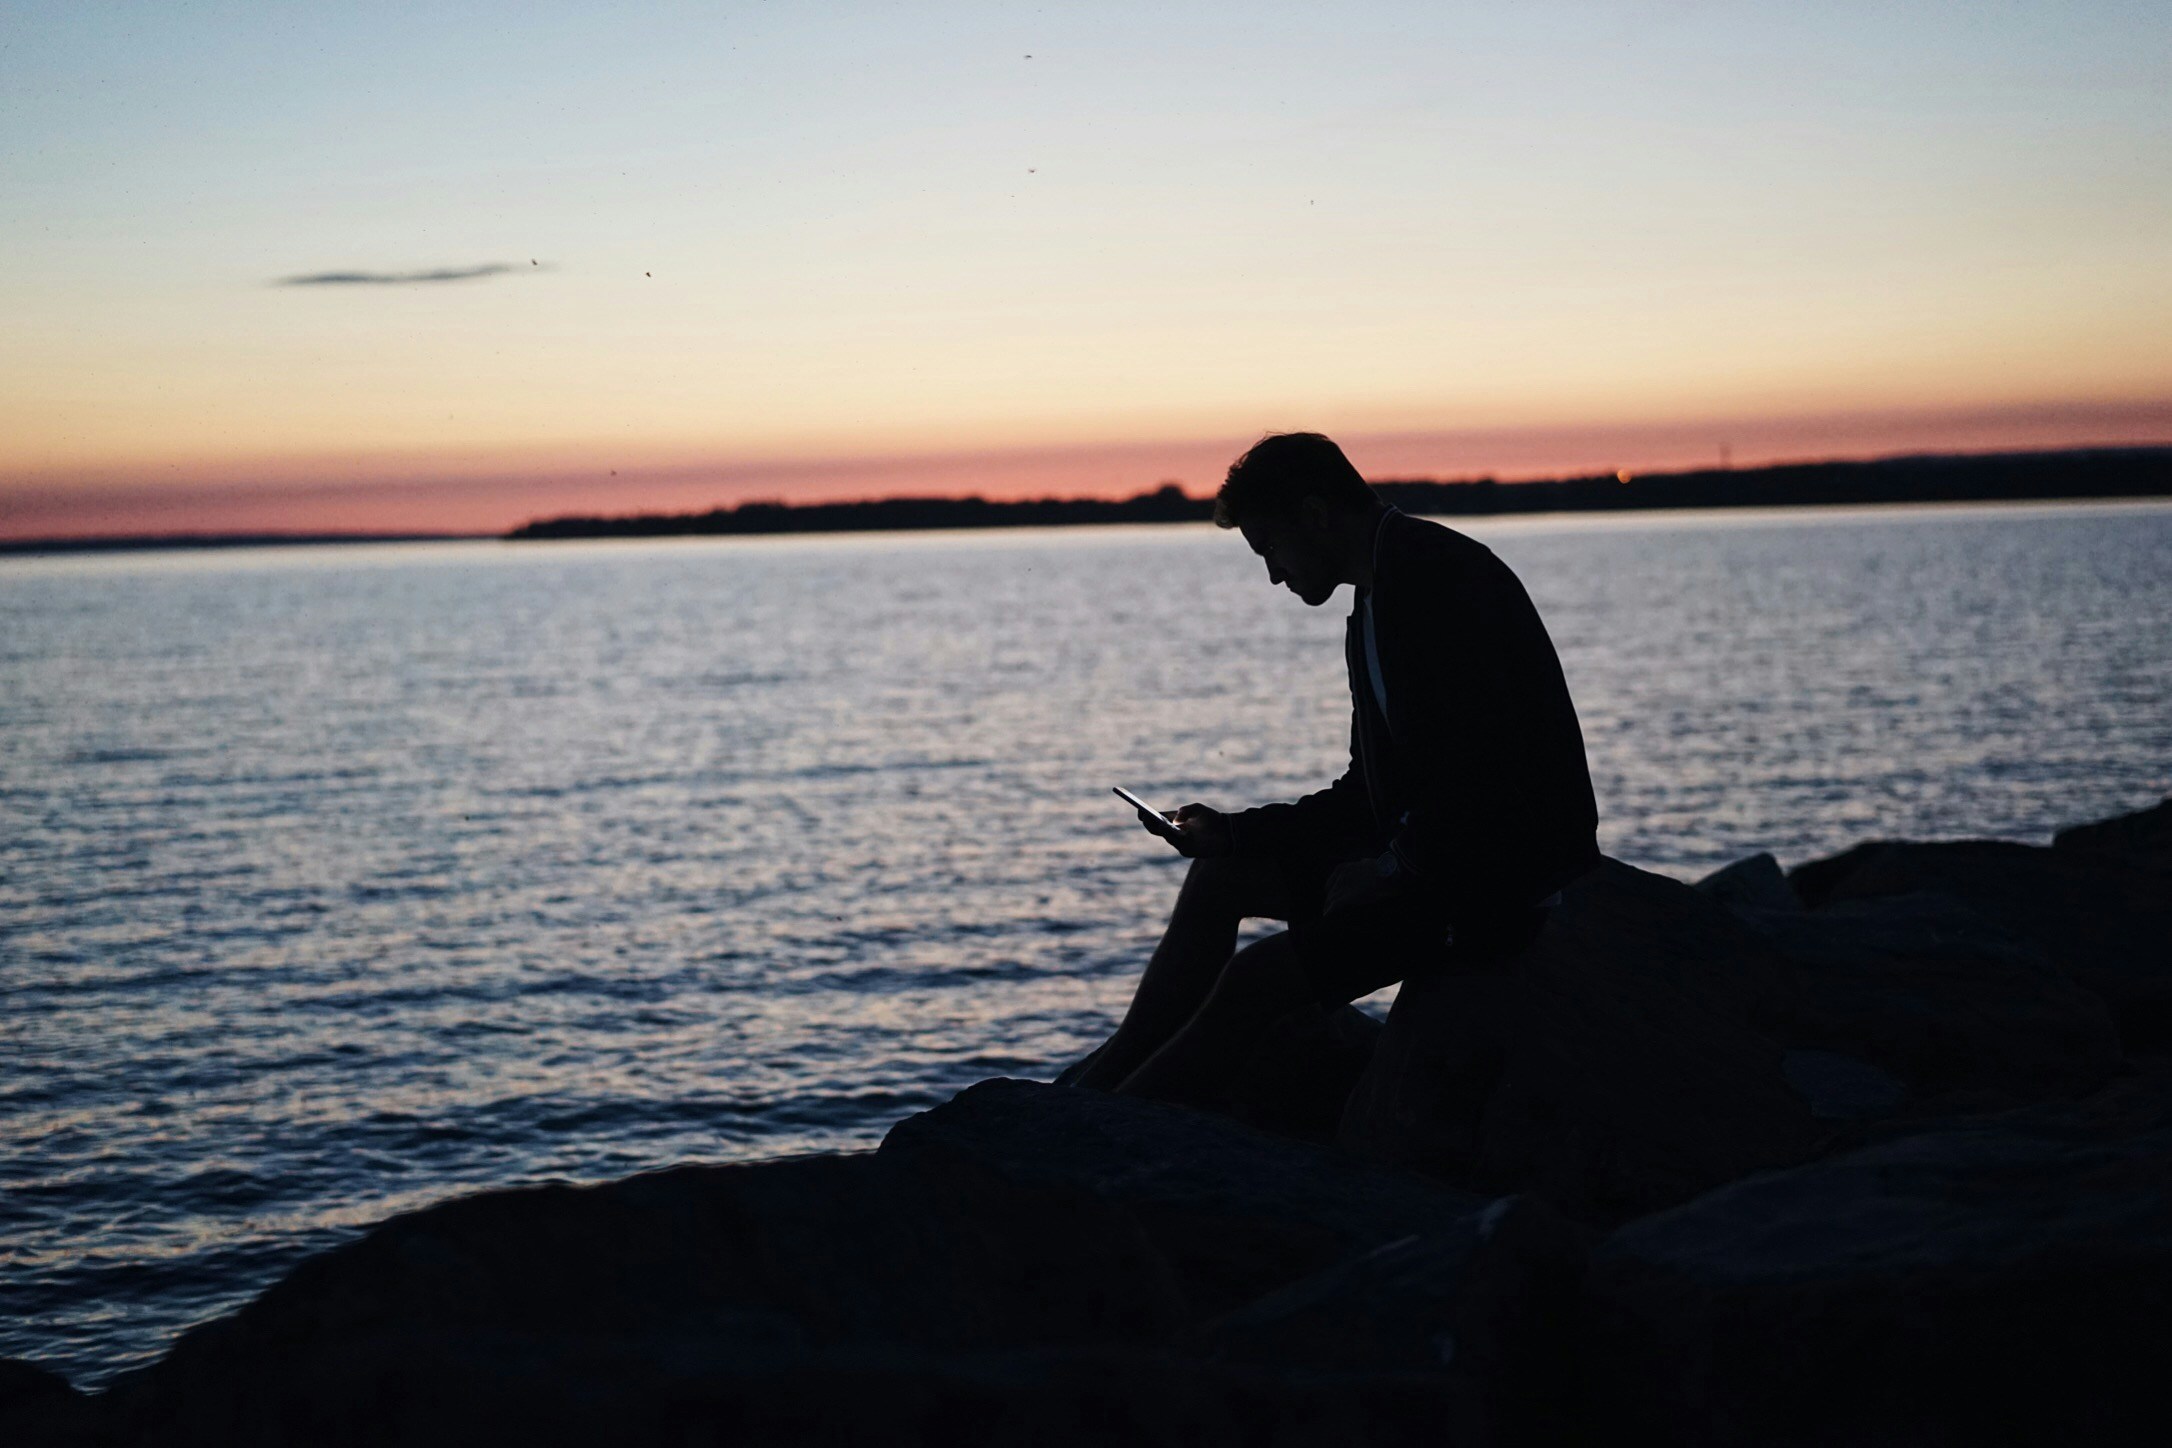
{"x": 1301, "y": 506}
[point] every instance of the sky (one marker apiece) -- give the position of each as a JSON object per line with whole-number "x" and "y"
{"x": 453, "y": 267}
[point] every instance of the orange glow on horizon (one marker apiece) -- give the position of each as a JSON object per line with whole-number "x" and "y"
{"x": 481, "y": 493}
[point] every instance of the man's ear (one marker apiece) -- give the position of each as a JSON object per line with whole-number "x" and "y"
{"x": 1318, "y": 518}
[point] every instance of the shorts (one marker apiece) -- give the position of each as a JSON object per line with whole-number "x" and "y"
{"x": 1355, "y": 950}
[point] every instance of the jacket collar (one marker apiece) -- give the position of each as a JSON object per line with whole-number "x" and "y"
{"x": 1380, "y": 533}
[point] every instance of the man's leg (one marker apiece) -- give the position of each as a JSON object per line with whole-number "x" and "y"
{"x": 1320, "y": 962}
{"x": 1218, "y": 894}
{"x": 1261, "y": 984}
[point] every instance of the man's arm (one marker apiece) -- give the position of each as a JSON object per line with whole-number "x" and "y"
{"x": 1341, "y": 809}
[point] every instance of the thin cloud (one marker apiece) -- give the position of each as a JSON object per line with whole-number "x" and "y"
{"x": 406, "y": 278}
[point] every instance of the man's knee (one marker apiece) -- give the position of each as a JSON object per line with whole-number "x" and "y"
{"x": 1228, "y": 885}
{"x": 1215, "y": 872}
{"x": 1261, "y": 981}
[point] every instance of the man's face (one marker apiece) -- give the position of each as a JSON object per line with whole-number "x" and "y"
{"x": 1296, "y": 557}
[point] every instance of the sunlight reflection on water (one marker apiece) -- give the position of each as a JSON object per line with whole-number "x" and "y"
{"x": 337, "y": 880}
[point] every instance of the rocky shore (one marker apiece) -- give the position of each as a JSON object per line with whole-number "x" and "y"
{"x": 1876, "y": 1150}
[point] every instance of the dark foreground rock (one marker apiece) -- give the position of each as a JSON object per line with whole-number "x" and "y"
{"x": 1879, "y": 1151}
{"x": 1995, "y": 1283}
{"x": 2101, "y": 919}
{"x": 2140, "y": 841}
{"x": 1615, "y": 1068}
{"x": 38, "y": 1406}
{"x": 1928, "y": 988}
{"x": 1027, "y": 1264}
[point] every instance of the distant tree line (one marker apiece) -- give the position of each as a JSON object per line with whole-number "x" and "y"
{"x": 1166, "y": 504}
{"x": 2131, "y": 472}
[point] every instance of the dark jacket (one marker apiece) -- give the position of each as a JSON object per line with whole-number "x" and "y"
{"x": 1476, "y": 780}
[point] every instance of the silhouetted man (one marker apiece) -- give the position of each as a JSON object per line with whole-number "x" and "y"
{"x": 1466, "y": 807}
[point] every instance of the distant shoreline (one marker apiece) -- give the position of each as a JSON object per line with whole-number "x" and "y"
{"x": 210, "y": 541}
{"x": 2064, "y": 475}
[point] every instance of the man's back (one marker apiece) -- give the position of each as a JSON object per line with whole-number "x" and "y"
{"x": 1475, "y": 779}
{"x": 1481, "y": 745}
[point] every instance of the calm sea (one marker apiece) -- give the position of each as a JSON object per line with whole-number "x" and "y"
{"x": 334, "y": 881}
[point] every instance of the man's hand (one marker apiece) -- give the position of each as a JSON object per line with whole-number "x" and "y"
{"x": 1202, "y": 831}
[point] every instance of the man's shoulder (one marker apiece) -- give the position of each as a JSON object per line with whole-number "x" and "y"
{"x": 1420, "y": 552}
{"x": 1418, "y": 532}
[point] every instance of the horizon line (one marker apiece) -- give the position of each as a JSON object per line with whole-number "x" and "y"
{"x": 493, "y": 490}
{"x": 300, "y": 537}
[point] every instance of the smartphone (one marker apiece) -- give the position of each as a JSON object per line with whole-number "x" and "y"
{"x": 1162, "y": 825}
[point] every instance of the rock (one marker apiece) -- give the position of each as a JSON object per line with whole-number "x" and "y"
{"x": 2107, "y": 925}
{"x": 440, "y": 1390}
{"x": 2136, "y": 1102}
{"x": 1041, "y": 1265}
{"x": 1928, "y": 989}
{"x": 1234, "y": 1212}
{"x": 39, "y": 1406}
{"x": 1839, "y": 1087}
{"x": 1981, "y": 1285}
{"x": 26, "y": 1385}
{"x": 2142, "y": 840}
{"x": 1026, "y": 1264}
{"x": 1757, "y": 881}
{"x": 1613, "y": 1068}
{"x": 1486, "y": 1301}
{"x": 1814, "y": 881}
{"x": 648, "y": 1298}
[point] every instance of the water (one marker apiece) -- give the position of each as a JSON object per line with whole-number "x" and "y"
{"x": 335, "y": 881}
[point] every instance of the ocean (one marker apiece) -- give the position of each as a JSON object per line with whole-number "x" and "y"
{"x": 338, "y": 880}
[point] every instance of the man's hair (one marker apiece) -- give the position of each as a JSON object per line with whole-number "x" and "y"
{"x": 1280, "y": 471}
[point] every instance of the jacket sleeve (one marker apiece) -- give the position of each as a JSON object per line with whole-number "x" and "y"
{"x": 1338, "y": 811}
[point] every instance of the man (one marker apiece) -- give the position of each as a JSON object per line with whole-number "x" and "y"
{"x": 1466, "y": 807}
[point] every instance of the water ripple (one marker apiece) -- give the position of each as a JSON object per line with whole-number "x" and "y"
{"x": 335, "y": 882}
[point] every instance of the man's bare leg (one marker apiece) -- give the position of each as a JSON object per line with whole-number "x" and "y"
{"x": 1218, "y": 894}
{"x": 1261, "y": 984}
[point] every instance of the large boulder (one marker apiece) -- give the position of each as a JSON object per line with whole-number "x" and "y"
{"x": 1840, "y": 1087}
{"x": 2105, "y": 923}
{"x": 1233, "y": 1212}
{"x": 1485, "y": 1305}
{"x": 1294, "y": 1258}
{"x": 2001, "y": 1281}
{"x": 1036, "y": 1264}
{"x": 1927, "y": 988}
{"x": 1757, "y": 882}
{"x": 1027, "y": 1264}
{"x": 1615, "y": 1067}
{"x": 2142, "y": 840}
{"x": 572, "y": 1311}
{"x": 2136, "y": 1102}
{"x": 38, "y": 1405}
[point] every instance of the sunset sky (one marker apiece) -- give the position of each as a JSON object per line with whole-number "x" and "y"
{"x": 458, "y": 266}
